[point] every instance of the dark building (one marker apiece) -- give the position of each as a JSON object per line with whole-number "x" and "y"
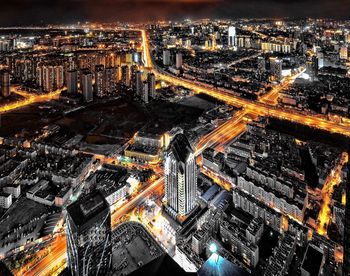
{"x": 5, "y": 83}
{"x": 72, "y": 81}
{"x": 89, "y": 246}
{"x": 346, "y": 262}
{"x": 86, "y": 86}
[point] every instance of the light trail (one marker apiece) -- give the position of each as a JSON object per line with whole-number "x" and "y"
{"x": 332, "y": 181}
{"x": 29, "y": 99}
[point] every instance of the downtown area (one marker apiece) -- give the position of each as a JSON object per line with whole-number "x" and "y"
{"x": 193, "y": 147}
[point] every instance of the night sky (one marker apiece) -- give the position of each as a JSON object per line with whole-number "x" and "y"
{"x": 20, "y": 12}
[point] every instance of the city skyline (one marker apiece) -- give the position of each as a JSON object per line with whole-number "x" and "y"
{"x": 187, "y": 147}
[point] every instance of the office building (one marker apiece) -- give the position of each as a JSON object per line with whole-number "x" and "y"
{"x": 88, "y": 231}
{"x": 5, "y": 83}
{"x": 180, "y": 176}
{"x": 86, "y": 86}
{"x": 72, "y": 81}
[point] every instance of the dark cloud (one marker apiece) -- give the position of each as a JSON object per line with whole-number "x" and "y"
{"x": 15, "y": 12}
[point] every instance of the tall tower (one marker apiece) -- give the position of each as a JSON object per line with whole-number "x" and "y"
{"x": 276, "y": 69}
{"x": 166, "y": 58}
{"x": 99, "y": 80}
{"x": 231, "y": 36}
{"x": 72, "y": 81}
{"x": 86, "y": 85}
{"x": 346, "y": 245}
{"x": 88, "y": 231}
{"x": 178, "y": 60}
{"x": 110, "y": 80}
{"x": 5, "y": 83}
{"x": 180, "y": 176}
{"x": 151, "y": 79}
{"x": 125, "y": 77}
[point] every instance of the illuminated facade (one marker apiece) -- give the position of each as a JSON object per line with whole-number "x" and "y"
{"x": 231, "y": 36}
{"x": 180, "y": 176}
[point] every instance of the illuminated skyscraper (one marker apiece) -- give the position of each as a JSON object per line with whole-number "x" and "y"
{"x": 59, "y": 77}
{"x": 110, "y": 80}
{"x": 48, "y": 78}
{"x": 5, "y": 83}
{"x": 72, "y": 81}
{"x": 276, "y": 69}
{"x": 180, "y": 176}
{"x": 231, "y": 36}
{"x": 86, "y": 86}
{"x": 99, "y": 80}
{"x": 88, "y": 231}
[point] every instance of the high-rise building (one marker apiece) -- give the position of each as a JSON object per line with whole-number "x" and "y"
{"x": 138, "y": 85}
{"x": 5, "y": 83}
{"x": 72, "y": 81}
{"x": 178, "y": 60}
{"x": 261, "y": 65}
{"x": 145, "y": 92}
{"x": 59, "y": 77}
{"x": 166, "y": 58}
{"x": 88, "y": 231}
{"x": 110, "y": 80}
{"x": 118, "y": 73}
{"x": 86, "y": 85}
{"x": 180, "y": 176}
{"x": 276, "y": 69}
{"x": 99, "y": 80}
{"x": 151, "y": 79}
{"x": 125, "y": 78}
{"x": 346, "y": 245}
{"x": 231, "y": 36}
{"x": 343, "y": 52}
{"x": 48, "y": 78}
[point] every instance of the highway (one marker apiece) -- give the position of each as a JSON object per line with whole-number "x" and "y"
{"x": 28, "y": 99}
{"x": 332, "y": 181}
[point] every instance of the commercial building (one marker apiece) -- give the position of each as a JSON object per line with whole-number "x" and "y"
{"x": 88, "y": 230}
{"x": 180, "y": 176}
